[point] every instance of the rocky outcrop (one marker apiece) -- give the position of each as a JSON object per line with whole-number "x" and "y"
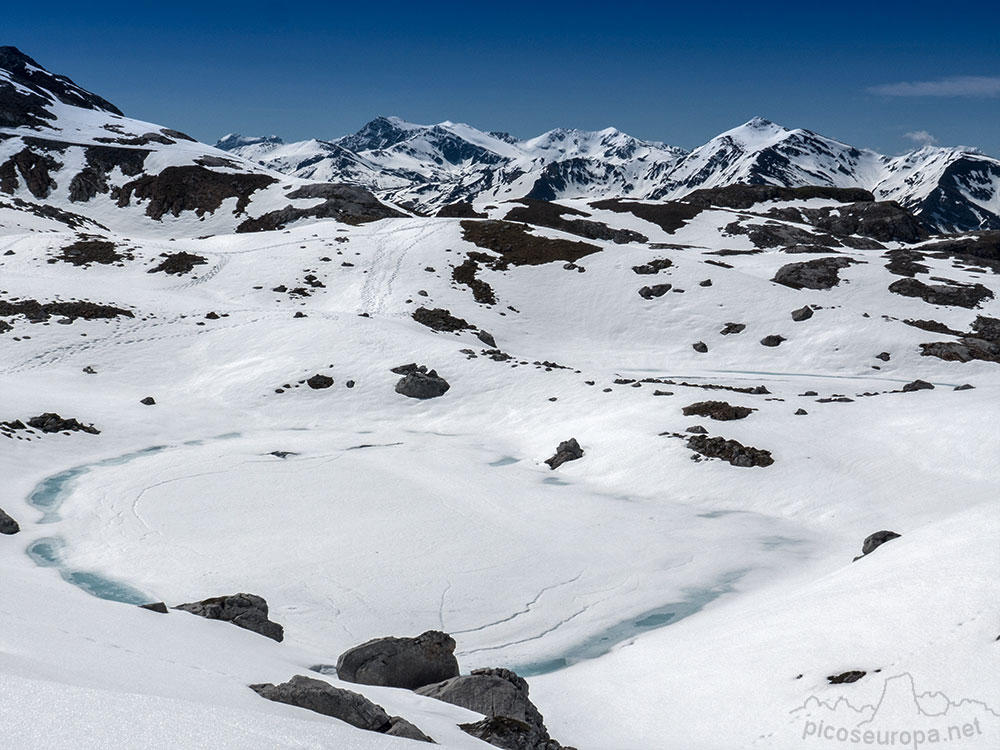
{"x": 7, "y": 524}
{"x": 568, "y": 450}
{"x": 421, "y": 383}
{"x": 502, "y": 696}
{"x": 820, "y": 273}
{"x": 517, "y": 245}
{"x": 400, "y": 662}
{"x": 345, "y": 705}
{"x": 884, "y": 221}
{"x": 772, "y": 340}
{"x": 803, "y": 313}
{"x": 247, "y": 611}
{"x": 552, "y": 215}
{"x": 653, "y": 267}
{"x": 345, "y": 203}
{"x": 51, "y": 422}
{"x": 720, "y": 410}
{"x": 318, "y": 382}
{"x": 745, "y": 196}
{"x": 460, "y": 210}
{"x": 846, "y": 677}
{"x": 956, "y": 295}
{"x": 667, "y": 215}
{"x": 918, "y": 385}
{"x": 439, "y": 319}
{"x": 732, "y": 328}
{"x": 192, "y": 188}
{"x": 177, "y": 264}
{"x": 735, "y": 453}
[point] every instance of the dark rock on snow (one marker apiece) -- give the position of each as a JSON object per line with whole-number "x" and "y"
{"x": 318, "y": 382}
{"x": 400, "y": 662}
{"x": 656, "y": 290}
{"x": 918, "y": 385}
{"x": 720, "y": 410}
{"x": 568, "y": 450}
{"x": 773, "y": 340}
{"x": 422, "y": 384}
{"x": 700, "y": 346}
{"x": 7, "y": 524}
{"x": 957, "y": 295}
{"x": 803, "y": 313}
{"x": 846, "y": 677}
{"x": 820, "y": 273}
{"x": 346, "y": 705}
{"x": 247, "y": 611}
{"x": 735, "y": 453}
{"x": 158, "y": 607}
{"x": 50, "y": 422}
{"x": 876, "y": 540}
{"x": 148, "y": 401}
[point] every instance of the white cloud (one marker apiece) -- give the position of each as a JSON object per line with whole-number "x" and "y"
{"x": 921, "y": 136}
{"x": 968, "y": 86}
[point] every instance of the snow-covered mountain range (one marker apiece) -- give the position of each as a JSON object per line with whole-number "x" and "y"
{"x": 427, "y": 167}
{"x": 704, "y": 473}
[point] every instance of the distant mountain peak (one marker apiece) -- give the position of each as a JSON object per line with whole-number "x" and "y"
{"x": 232, "y": 141}
{"x": 22, "y": 107}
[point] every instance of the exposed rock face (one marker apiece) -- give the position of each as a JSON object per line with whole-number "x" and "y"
{"x": 735, "y": 453}
{"x": 884, "y": 221}
{"x": 668, "y": 215}
{"x": 34, "y": 310}
{"x": 192, "y": 188}
{"x": 964, "y": 295}
{"x": 346, "y": 203}
{"x": 745, "y": 196}
{"x": 87, "y": 250}
{"x": 34, "y": 168}
{"x": 439, "y": 319}
{"x": 319, "y": 382}
{"x": 7, "y": 524}
{"x": 803, "y": 313}
{"x": 400, "y": 662}
{"x": 653, "y": 267}
{"x": 656, "y": 290}
{"x": 547, "y": 214}
{"x": 876, "y": 540}
{"x": 178, "y": 263}
{"x": 51, "y": 422}
{"x": 400, "y": 727}
{"x": 502, "y": 696}
{"x": 100, "y": 162}
{"x": 247, "y": 611}
{"x": 518, "y": 246}
{"x": 568, "y": 450}
{"x": 820, "y": 273}
{"x": 460, "y": 210}
{"x": 422, "y": 384}
{"x": 720, "y": 410}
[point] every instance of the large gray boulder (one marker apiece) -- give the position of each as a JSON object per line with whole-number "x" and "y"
{"x": 512, "y": 720}
{"x": 422, "y": 385}
{"x": 247, "y": 611}
{"x": 7, "y": 524}
{"x": 400, "y": 662}
{"x": 819, "y": 273}
{"x": 346, "y": 705}
{"x": 567, "y": 450}
{"x": 876, "y": 540}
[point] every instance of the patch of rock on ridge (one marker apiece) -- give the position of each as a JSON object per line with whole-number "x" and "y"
{"x": 348, "y": 204}
{"x": 192, "y": 188}
{"x": 731, "y": 451}
{"x": 819, "y": 273}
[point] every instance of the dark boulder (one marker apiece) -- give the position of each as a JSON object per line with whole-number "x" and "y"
{"x": 846, "y": 677}
{"x": 803, "y": 313}
{"x": 439, "y": 319}
{"x": 772, "y": 340}
{"x": 820, "y": 273}
{"x": 720, "y": 410}
{"x": 510, "y": 734}
{"x": 422, "y": 385}
{"x": 732, "y": 328}
{"x": 700, "y": 346}
{"x": 159, "y": 607}
{"x": 918, "y": 385}
{"x": 7, "y": 524}
{"x": 247, "y": 611}
{"x": 497, "y": 694}
{"x": 876, "y": 540}
{"x": 400, "y": 727}
{"x": 324, "y": 698}
{"x": 568, "y": 450}
{"x": 318, "y": 382}
{"x": 735, "y": 453}
{"x": 487, "y": 338}
{"x": 148, "y": 401}
{"x": 656, "y": 290}
{"x": 400, "y": 662}
{"x": 884, "y": 356}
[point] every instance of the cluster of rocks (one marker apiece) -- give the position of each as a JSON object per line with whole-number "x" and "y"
{"x": 177, "y": 264}
{"x": 440, "y": 319}
{"x": 87, "y": 250}
{"x": 50, "y": 422}
{"x": 953, "y": 294}
{"x": 981, "y": 343}
{"x": 732, "y": 451}
{"x": 419, "y": 382}
{"x": 544, "y": 213}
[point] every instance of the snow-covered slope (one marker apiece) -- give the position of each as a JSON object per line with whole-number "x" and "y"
{"x": 426, "y": 167}
{"x": 653, "y": 595}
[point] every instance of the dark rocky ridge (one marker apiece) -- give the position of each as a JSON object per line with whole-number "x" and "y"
{"x": 191, "y": 188}
{"x": 742, "y": 196}
{"x": 518, "y": 246}
{"x": 552, "y": 215}
{"x": 247, "y": 611}
{"x": 346, "y": 203}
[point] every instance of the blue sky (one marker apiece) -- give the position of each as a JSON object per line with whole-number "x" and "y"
{"x": 865, "y": 73}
